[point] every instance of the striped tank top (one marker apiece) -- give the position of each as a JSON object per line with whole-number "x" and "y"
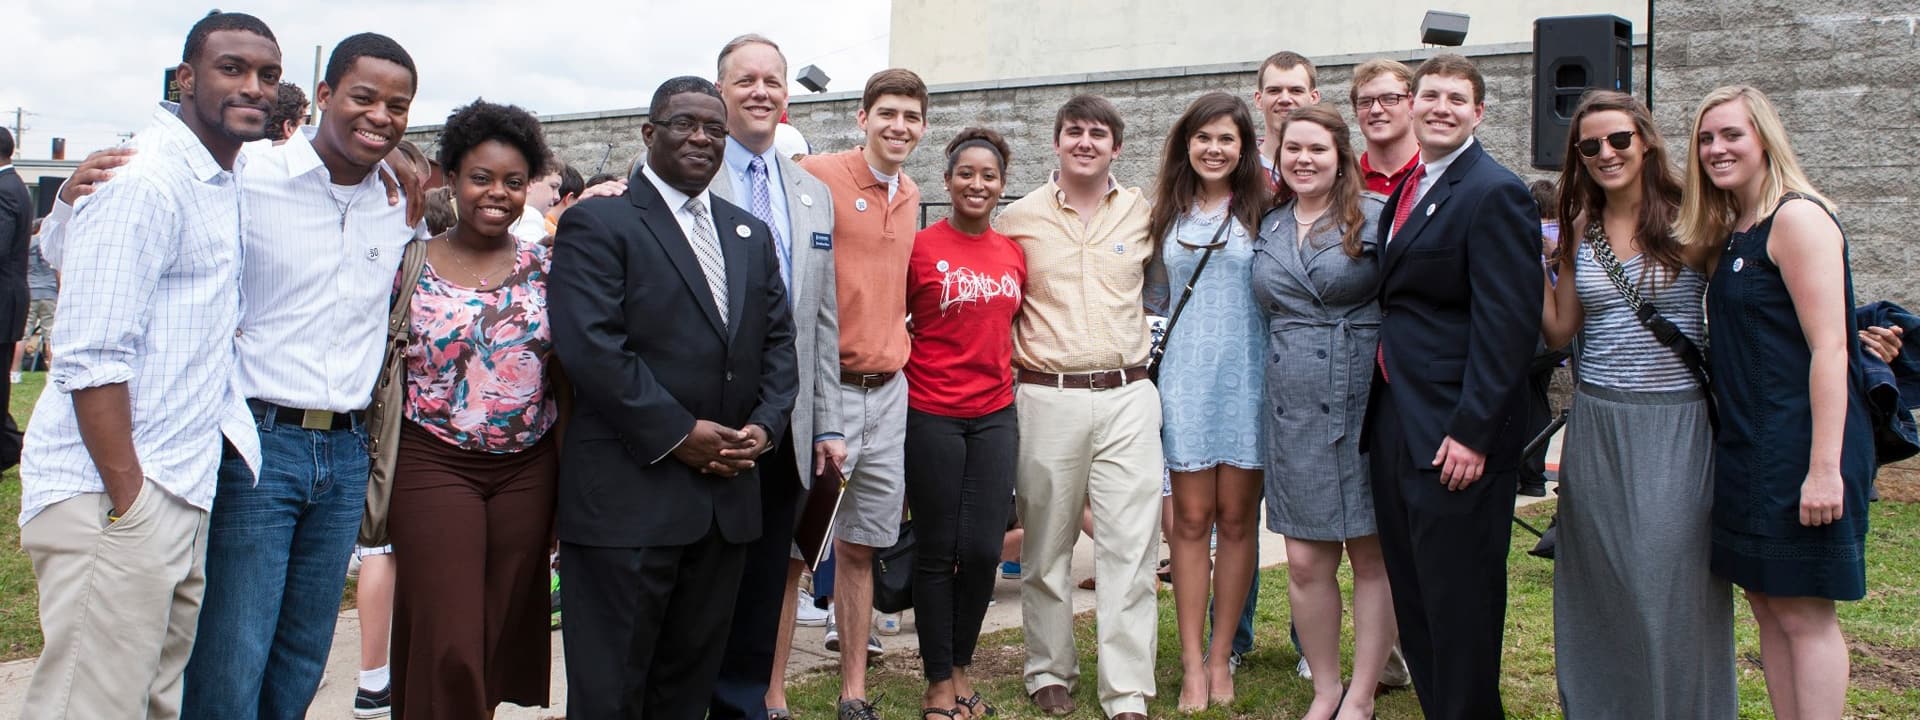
{"x": 1616, "y": 350}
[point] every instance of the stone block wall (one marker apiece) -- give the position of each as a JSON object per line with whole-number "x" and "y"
{"x": 1842, "y": 73}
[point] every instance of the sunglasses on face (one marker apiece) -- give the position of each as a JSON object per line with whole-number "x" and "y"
{"x": 1591, "y": 146}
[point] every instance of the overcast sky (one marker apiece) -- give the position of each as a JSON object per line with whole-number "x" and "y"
{"x": 88, "y": 70}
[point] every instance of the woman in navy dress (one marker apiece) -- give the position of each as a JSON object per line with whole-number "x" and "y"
{"x": 1793, "y": 458}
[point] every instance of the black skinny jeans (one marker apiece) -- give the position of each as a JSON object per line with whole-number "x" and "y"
{"x": 959, "y": 476}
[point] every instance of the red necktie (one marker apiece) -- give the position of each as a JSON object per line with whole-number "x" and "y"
{"x": 1409, "y": 195}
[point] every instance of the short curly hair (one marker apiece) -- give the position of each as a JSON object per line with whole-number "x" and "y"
{"x": 480, "y": 121}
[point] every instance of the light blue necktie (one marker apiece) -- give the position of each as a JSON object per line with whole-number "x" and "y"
{"x": 763, "y": 209}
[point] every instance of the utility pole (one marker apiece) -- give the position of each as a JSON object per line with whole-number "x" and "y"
{"x": 19, "y": 130}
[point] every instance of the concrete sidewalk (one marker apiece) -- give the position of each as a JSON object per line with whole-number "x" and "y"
{"x": 335, "y": 699}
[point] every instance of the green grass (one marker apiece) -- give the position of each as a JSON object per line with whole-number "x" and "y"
{"x": 19, "y": 596}
{"x": 1884, "y": 635}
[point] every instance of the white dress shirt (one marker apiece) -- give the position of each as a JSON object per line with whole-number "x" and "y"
{"x": 320, "y": 265}
{"x": 150, "y": 297}
{"x": 738, "y": 157}
{"x": 677, "y": 202}
{"x": 1430, "y": 175}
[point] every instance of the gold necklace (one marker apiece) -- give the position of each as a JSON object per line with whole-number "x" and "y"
{"x": 452, "y": 250}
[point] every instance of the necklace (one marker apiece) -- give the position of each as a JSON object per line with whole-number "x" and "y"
{"x": 483, "y": 278}
{"x": 346, "y": 205}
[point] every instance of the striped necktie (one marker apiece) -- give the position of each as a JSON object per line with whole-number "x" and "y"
{"x": 706, "y": 247}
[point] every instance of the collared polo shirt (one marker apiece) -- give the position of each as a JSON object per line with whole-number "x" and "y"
{"x": 873, "y": 242}
{"x": 1382, "y": 182}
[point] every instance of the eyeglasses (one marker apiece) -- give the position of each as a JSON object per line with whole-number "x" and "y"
{"x": 1591, "y": 146}
{"x": 1360, "y": 104}
{"x": 683, "y": 126}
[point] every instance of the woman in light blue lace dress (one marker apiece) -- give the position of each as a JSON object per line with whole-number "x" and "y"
{"x": 1210, "y": 192}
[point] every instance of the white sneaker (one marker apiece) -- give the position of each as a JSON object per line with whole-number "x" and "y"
{"x": 833, "y": 631}
{"x": 15, "y": 377}
{"x": 1395, "y": 674}
{"x": 887, "y": 624}
{"x": 806, "y": 615}
{"x": 1306, "y": 673}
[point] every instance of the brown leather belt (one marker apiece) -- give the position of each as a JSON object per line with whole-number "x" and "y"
{"x": 866, "y": 381}
{"x": 1103, "y": 380}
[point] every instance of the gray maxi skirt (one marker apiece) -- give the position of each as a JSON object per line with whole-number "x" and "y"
{"x": 1642, "y": 628}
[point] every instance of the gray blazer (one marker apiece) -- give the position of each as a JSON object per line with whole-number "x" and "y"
{"x": 816, "y": 308}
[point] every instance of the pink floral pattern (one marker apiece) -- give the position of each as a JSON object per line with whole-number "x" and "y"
{"x": 476, "y": 371}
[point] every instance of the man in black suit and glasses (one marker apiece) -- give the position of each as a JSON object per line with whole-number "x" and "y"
{"x": 1460, "y": 315}
{"x": 671, "y": 317}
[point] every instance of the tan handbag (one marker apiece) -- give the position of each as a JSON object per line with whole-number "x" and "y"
{"x": 386, "y": 412}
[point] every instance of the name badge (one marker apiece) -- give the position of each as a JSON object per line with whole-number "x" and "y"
{"x": 823, "y": 241}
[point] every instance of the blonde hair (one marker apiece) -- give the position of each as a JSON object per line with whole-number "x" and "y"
{"x": 1708, "y": 212}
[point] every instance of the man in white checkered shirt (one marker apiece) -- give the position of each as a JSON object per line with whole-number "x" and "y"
{"x": 118, "y": 472}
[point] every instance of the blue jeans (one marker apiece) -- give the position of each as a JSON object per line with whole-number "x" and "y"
{"x": 276, "y": 564}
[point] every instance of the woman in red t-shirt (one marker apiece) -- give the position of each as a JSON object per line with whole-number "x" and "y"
{"x": 963, "y": 287}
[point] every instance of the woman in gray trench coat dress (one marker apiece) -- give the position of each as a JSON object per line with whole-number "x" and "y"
{"x": 1316, "y": 276}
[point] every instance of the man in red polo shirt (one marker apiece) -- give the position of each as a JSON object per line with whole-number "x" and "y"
{"x": 1382, "y": 96}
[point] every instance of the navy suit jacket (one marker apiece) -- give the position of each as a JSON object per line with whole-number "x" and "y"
{"x": 635, "y": 326}
{"x": 1460, "y": 299}
{"x": 16, "y": 231}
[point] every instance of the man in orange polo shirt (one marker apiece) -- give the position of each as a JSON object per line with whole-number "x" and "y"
{"x": 875, "y": 207}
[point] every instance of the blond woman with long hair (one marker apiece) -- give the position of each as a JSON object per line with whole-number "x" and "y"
{"x": 1793, "y": 456}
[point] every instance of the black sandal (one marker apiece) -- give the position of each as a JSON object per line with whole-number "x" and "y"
{"x": 975, "y": 704}
{"x": 949, "y": 713}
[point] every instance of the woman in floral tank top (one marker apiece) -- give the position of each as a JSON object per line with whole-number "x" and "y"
{"x": 473, "y": 500}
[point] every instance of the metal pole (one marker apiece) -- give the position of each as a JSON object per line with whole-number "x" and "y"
{"x": 1649, "y": 55}
{"x": 313, "y": 97}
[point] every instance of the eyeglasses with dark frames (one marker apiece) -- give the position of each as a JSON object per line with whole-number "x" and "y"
{"x": 1619, "y": 140}
{"x": 1386, "y": 100}
{"x": 683, "y": 126}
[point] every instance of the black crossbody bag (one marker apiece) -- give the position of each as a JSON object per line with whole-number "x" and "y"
{"x": 1166, "y": 335}
{"x": 1663, "y": 329}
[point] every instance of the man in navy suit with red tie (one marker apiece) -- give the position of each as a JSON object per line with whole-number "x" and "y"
{"x": 1460, "y": 300}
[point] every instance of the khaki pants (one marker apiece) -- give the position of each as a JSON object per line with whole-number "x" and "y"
{"x": 1100, "y": 447}
{"x": 119, "y": 605}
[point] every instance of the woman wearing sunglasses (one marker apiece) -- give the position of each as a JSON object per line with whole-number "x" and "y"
{"x": 1209, "y": 195}
{"x": 1316, "y": 274}
{"x": 1642, "y": 626}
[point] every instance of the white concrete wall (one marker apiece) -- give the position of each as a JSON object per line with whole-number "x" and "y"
{"x": 949, "y": 42}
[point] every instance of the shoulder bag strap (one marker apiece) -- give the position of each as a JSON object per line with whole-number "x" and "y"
{"x": 1187, "y": 293}
{"x": 399, "y": 311}
{"x": 1663, "y": 329}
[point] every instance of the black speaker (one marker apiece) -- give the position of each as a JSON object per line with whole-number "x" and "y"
{"x": 49, "y": 189}
{"x": 1571, "y": 55}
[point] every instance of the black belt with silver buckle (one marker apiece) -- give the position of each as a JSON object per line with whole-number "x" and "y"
{"x": 309, "y": 419}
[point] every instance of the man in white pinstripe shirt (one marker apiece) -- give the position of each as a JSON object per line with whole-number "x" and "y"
{"x": 322, "y": 243}
{"x": 120, "y": 461}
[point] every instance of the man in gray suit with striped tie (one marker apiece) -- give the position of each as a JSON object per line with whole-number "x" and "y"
{"x": 797, "y": 208}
